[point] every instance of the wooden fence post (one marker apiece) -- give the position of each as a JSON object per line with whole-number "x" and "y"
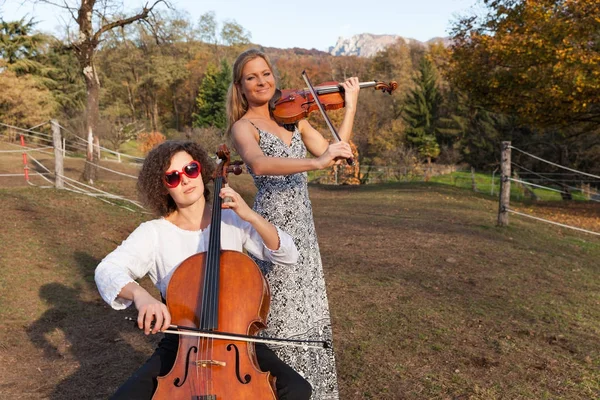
{"x": 504, "y": 202}
{"x": 58, "y": 155}
{"x": 473, "y": 183}
{"x": 493, "y": 176}
{"x": 25, "y": 167}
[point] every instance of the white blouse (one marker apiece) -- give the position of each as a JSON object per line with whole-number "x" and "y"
{"x": 157, "y": 247}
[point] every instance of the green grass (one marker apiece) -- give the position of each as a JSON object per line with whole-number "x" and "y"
{"x": 488, "y": 183}
{"x": 132, "y": 148}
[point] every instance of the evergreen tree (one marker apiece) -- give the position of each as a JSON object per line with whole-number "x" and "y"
{"x": 421, "y": 111}
{"x": 211, "y": 97}
{"x": 64, "y": 79}
{"x": 19, "y": 47}
{"x": 480, "y": 141}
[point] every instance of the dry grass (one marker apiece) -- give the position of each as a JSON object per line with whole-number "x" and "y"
{"x": 429, "y": 299}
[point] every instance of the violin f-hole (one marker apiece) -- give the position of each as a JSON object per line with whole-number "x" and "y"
{"x": 247, "y": 377}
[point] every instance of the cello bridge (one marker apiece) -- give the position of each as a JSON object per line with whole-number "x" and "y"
{"x": 207, "y": 363}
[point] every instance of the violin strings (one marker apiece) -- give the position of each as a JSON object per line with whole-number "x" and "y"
{"x": 336, "y": 88}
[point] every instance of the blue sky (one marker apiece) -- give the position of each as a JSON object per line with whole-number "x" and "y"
{"x": 286, "y": 23}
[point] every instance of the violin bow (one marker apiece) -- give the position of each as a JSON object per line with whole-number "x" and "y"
{"x": 322, "y": 109}
{"x": 191, "y": 331}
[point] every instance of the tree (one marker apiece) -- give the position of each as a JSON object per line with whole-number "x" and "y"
{"x": 24, "y": 101}
{"x": 64, "y": 79}
{"x": 19, "y": 46}
{"x": 85, "y": 46}
{"x": 211, "y": 97}
{"x": 537, "y": 60}
{"x": 232, "y": 34}
{"x": 421, "y": 112}
{"x": 207, "y": 31}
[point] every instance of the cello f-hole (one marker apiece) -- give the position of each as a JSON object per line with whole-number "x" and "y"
{"x": 247, "y": 378}
{"x": 178, "y": 382}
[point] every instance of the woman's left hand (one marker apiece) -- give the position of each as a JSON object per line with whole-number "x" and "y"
{"x": 236, "y": 203}
{"x": 351, "y": 89}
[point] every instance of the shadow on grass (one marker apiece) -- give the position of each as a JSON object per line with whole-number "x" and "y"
{"x": 88, "y": 333}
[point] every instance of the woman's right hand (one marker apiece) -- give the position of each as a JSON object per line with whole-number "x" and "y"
{"x": 151, "y": 310}
{"x": 335, "y": 153}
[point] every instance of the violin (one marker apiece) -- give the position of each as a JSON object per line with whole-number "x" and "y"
{"x": 291, "y": 105}
{"x": 217, "y": 291}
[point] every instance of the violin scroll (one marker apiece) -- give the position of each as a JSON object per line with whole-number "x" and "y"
{"x": 386, "y": 88}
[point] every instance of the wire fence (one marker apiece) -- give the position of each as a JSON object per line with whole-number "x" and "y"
{"x": 39, "y": 170}
{"x": 374, "y": 174}
{"x": 564, "y": 184}
{"x": 571, "y": 185}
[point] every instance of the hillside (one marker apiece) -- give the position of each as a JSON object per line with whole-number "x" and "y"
{"x": 429, "y": 299}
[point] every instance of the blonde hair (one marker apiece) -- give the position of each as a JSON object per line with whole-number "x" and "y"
{"x": 237, "y": 105}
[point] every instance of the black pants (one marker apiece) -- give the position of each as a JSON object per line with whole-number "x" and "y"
{"x": 142, "y": 384}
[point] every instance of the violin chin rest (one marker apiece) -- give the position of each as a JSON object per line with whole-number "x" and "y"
{"x": 274, "y": 99}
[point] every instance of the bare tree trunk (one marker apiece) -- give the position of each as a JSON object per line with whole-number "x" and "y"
{"x": 58, "y": 156}
{"x": 428, "y": 170}
{"x": 84, "y": 48}
{"x": 90, "y": 171}
{"x": 131, "y": 101}
{"x": 154, "y": 114}
{"x": 175, "y": 112}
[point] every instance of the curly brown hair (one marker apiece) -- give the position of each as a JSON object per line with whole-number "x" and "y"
{"x": 150, "y": 185}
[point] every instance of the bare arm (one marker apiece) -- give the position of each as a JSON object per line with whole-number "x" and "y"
{"x": 351, "y": 91}
{"x": 264, "y": 228}
{"x": 245, "y": 141}
{"x": 314, "y": 141}
{"x": 148, "y": 308}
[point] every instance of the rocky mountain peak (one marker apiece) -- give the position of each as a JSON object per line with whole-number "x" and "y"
{"x": 368, "y": 44}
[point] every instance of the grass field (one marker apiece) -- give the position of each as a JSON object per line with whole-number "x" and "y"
{"x": 490, "y": 184}
{"x": 429, "y": 299}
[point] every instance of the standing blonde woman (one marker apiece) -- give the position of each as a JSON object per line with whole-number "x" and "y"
{"x": 276, "y": 158}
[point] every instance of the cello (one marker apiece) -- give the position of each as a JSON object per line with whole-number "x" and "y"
{"x": 221, "y": 291}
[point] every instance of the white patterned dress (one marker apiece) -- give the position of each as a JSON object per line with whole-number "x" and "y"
{"x": 299, "y": 307}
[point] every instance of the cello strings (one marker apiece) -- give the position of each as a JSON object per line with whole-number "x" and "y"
{"x": 207, "y": 305}
{"x": 214, "y": 248}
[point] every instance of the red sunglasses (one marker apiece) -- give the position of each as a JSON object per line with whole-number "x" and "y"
{"x": 173, "y": 178}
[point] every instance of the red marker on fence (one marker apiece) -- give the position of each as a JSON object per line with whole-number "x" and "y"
{"x": 25, "y": 167}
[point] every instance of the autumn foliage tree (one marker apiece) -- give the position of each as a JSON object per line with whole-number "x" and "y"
{"x": 24, "y": 101}
{"x": 536, "y": 62}
{"x": 149, "y": 140}
{"x": 535, "y": 59}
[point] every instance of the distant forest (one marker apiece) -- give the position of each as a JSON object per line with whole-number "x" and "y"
{"x": 525, "y": 71}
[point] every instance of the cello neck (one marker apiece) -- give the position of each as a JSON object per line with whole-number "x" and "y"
{"x": 210, "y": 284}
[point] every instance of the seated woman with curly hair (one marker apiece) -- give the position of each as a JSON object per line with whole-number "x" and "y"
{"x": 172, "y": 183}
